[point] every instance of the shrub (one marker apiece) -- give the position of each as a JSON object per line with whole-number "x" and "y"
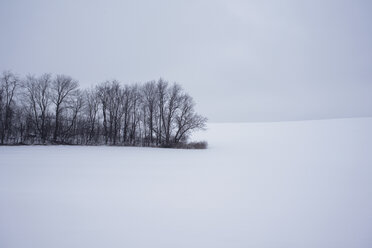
{"x": 184, "y": 145}
{"x": 197, "y": 145}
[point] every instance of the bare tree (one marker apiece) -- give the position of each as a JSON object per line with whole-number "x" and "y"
{"x": 74, "y": 108}
{"x": 56, "y": 110}
{"x": 149, "y": 101}
{"x": 38, "y": 94}
{"x": 91, "y": 109}
{"x": 115, "y": 110}
{"x": 173, "y": 103}
{"x": 111, "y": 97}
{"x": 9, "y": 83}
{"x": 135, "y": 114}
{"x": 161, "y": 96}
{"x": 64, "y": 89}
{"x": 103, "y": 96}
{"x": 187, "y": 120}
{"x": 126, "y": 108}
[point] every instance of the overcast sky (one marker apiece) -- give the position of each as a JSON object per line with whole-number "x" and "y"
{"x": 241, "y": 60}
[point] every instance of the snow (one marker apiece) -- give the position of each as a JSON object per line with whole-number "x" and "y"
{"x": 283, "y": 184}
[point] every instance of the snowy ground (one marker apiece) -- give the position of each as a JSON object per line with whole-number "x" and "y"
{"x": 288, "y": 184}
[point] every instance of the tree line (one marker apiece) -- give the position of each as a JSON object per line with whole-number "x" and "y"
{"x": 49, "y": 109}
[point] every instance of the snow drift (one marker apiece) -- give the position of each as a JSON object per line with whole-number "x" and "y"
{"x": 285, "y": 184}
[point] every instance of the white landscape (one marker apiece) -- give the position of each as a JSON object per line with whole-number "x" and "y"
{"x": 279, "y": 184}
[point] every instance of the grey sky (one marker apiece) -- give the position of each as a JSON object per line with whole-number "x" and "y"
{"x": 240, "y": 60}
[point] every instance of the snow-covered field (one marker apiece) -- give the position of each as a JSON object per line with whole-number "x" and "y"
{"x": 285, "y": 184}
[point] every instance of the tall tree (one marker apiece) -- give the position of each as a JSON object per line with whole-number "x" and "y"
{"x": 91, "y": 110}
{"x": 47, "y": 109}
{"x": 126, "y": 109}
{"x": 150, "y": 97}
{"x": 173, "y": 104}
{"x": 39, "y": 97}
{"x": 9, "y": 83}
{"x": 64, "y": 89}
{"x": 161, "y": 96}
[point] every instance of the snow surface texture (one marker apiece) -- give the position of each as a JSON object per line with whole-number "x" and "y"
{"x": 288, "y": 184}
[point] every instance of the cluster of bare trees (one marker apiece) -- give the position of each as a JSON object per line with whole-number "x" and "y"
{"x": 53, "y": 110}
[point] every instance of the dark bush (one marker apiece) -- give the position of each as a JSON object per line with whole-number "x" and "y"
{"x": 198, "y": 145}
{"x": 191, "y": 145}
